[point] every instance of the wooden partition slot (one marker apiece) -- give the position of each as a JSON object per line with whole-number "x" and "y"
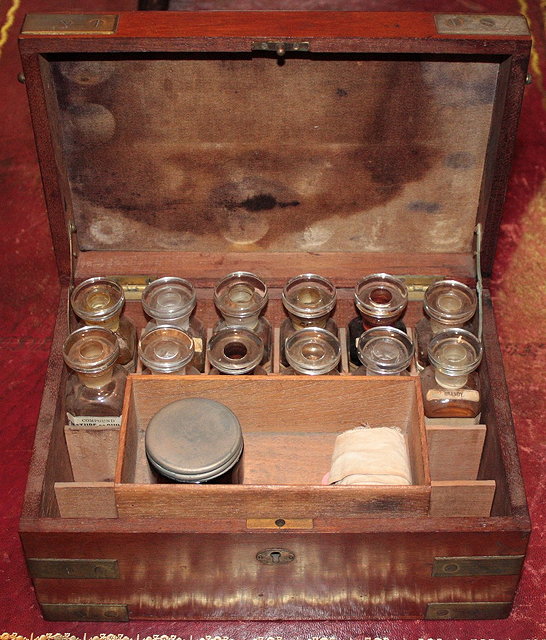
{"x": 460, "y": 498}
{"x": 455, "y": 452}
{"x": 86, "y": 499}
{"x": 93, "y": 452}
{"x": 289, "y": 427}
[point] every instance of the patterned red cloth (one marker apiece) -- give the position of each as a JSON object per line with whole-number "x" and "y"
{"x": 29, "y": 292}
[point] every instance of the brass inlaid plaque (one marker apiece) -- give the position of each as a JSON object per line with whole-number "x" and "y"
{"x": 80, "y": 569}
{"x": 481, "y": 24}
{"x": 69, "y": 24}
{"x": 86, "y": 612}
{"x": 477, "y": 566}
{"x": 467, "y": 610}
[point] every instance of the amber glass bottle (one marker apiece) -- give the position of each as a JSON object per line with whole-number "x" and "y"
{"x": 381, "y": 300}
{"x": 451, "y": 385}
{"x": 99, "y": 302}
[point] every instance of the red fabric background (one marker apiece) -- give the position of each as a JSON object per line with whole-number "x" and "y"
{"x": 28, "y": 296}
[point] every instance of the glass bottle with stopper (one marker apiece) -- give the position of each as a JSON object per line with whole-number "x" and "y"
{"x": 451, "y": 385}
{"x": 99, "y": 302}
{"x": 241, "y": 297}
{"x": 384, "y": 351}
{"x": 381, "y": 299}
{"x": 167, "y": 350}
{"x": 170, "y": 301}
{"x": 236, "y": 351}
{"x": 95, "y": 387}
{"x": 313, "y": 352}
{"x": 447, "y": 303}
{"x": 309, "y": 300}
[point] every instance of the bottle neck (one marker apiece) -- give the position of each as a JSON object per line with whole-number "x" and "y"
{"x": 378, "y": 372}
{"x": 96, "y": 380}
{"x": 450, "y": 382}
{"x": 250, "y": 322}
{"x": 110, "y": 323}
{"x": 303, "y": 323}
{"x": 437, "y": 326}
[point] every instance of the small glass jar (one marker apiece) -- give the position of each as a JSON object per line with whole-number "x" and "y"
{"x": 241, "y": 297}
{"x": 195, "y": 440}
{"x": 95, "y": 387}
{"x": 170, "y": 301}
{"x": 384, "y": 351}
{"x": 99, "y": 302}
{"x": 451, "y": 385}
{"x": 309, "y": 300}
{"x": 447, "y": 303}
{"x": 312, "y": 352}
{"x": 167, "y": 350}
{"x": 381, "y": 300}
{"x": 236, "y": 351}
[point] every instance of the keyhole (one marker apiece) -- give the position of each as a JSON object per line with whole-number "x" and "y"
{"x": 275, "y": 557}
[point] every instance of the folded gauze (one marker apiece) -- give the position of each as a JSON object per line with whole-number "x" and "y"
{"x": 370, "y": 455}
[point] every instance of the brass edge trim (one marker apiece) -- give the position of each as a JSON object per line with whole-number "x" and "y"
{"x": 447, "y": 567}
{"x": 481, "y": 24}
{"x": 52, "y": 24}
{"x": 73, "y": 568}
{"x": 467, "y": 610}
{"x": 85, "y": 612}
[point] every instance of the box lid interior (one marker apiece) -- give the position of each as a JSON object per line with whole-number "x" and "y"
{"x": 369, "y": 155}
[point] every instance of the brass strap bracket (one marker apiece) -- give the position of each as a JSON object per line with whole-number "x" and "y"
{"x": 280, "y": 48}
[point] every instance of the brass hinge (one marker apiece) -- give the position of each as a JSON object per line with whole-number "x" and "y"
{"x": 133, "y": 286}
{"x": 52, "y": 24}
{"x": 75, "y": 568}
{"x": 418, "y": 284}
{"x": 477, "y": 566}
{"x": 467, "y": 610}
{"x": 86, "y": 612}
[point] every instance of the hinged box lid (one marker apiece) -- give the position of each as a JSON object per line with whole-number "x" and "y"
{"x": 197, "y": 143}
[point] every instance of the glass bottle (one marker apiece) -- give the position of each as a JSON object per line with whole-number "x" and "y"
{"x": 313, "y": 352}
{"x": 236, "y": 351}
{"x": 384, "y": 351}
{"x": 241, "y": 297}
{"x": 94, "y": 390}
{"x": 447, "y": 303}
{"x": 309, "y": 300}
{"x": 381, "y": 300}
{"x": 167, "y": 350}
{"x": 451, "y": 385}
{"x": 170, "y": 301}
{"x": 99, "y": 302}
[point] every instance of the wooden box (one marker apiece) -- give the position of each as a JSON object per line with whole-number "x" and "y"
{"x": 339, "y": 143}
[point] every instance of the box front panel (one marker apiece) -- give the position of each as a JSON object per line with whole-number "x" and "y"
{"x": 288, "y": 575}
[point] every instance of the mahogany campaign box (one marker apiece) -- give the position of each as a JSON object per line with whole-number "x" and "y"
{"x": 341, "y": 143}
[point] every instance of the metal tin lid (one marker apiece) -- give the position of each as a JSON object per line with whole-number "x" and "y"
{"x": 194, "y": 440}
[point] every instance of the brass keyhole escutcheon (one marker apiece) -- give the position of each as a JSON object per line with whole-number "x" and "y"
{"x": 275, "y": 556}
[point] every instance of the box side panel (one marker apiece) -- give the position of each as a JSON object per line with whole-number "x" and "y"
{"x": 318, "y": 575}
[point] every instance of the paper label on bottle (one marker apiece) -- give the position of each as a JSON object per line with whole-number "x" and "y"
{"x": 94, "y": 421}
{"x": 198, "y": 345}
{"x": 470, "y": 395}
